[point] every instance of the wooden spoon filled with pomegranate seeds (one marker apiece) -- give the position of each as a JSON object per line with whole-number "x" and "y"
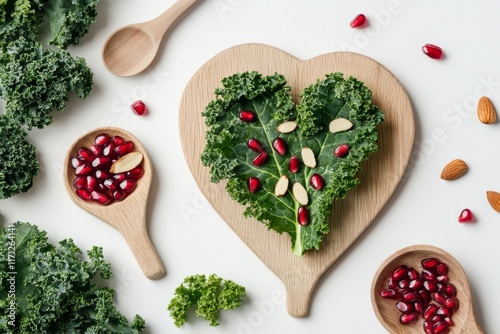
{"x": 423, "y": 289}
{"x": 107, "y": 173}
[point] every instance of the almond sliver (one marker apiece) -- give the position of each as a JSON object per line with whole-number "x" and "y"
{"x": 126, "y": 163}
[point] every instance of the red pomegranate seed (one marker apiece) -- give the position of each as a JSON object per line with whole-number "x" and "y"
{"x": 135, "y": 173}
{"x": 255, "y": 145}
{"x": 303, "y": 215}
{"x": 430, "y": 311}
{"x": 316, "y": 181}
{"x": 410, "y": 297}
{"x": 96, "y": 149}
{"x": 102, "y": 140}
{"x": 101, "y": 187}
{"x": 119, "y": 178}
{"x": 424, "y": 296}
{"x": 433, "y": 51}
{"x": 442, "y": 278}
{"x": 392, "y": 283}
{"x": 404, "y": 307}
{"x": 466, "y": 216}
{"x": 253, "y": 184}
{"x": 102, "y": 175}
{"x": 124, "y": 148}
{"x": 400, "y": 273}
{"x": 430, "y": 286}
{"x": 260, "y": 159}
{"x": 279, "y": 146}
{"x": 388, "y": 293}
{"x": 448, "y": 321}
{"x": 440, "y": 328}
{"x": 117, "y": 140}
{"x": 412, "y": 273}
{"x": 109, "y": 150}
{"x": 110, "y": 184}
{"x": 119, "y": 195}
{"x": 101, "y": 161}
{"x": 101, "y": 198}
{"x": 80, "y": 182}
{"x": 415, "y": 284}
{"x": 428, "y": 326}
{"x": 139, "y": 108}
{"x": 428, "y": 275}
{"x": 91, "y": 183}
{"x": 294, "y": 164}
{"x": 247, "y": 116}
{"x": 438, "y": 298}
{"x": 76, "y": 162}
{"x": 407, "y": 318}
{"x": 358, "y": 21}
{"x": 83, "y": 170}
{"x": 341, "y": 151}
{"x": 441, "y": 269}
{"x": 404, "y": 283}
{"x": 451, "y": 303}
{"x": 449, "y": 290}
{"x": 443, "y": 311}
{"x": 83, "y": 194}
{"x": 86, "y": 154}
{"x": 430, "y": 263}
{"x": 128, "y": 185}
{"x": 419, "y": 307}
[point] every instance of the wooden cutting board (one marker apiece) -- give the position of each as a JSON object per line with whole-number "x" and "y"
{"x": 380, "y": 174}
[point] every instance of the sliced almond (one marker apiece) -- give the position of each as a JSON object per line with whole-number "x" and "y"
{"x": 454, "y": 169}
{"x": 494, "y": 200}
{"x": 286, "y": 127}
{"x": 308, "y": 157}
{"x": 486, "y": 111}
{"x": 281, "y": 186}
{"x": 340, "y": 124}
{"x": 300, "y": 193}
{"x": 126, "y": 163}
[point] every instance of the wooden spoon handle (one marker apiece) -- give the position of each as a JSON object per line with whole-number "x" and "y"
{"x": 161, "y": 24}
{"x": 298, "y": 296}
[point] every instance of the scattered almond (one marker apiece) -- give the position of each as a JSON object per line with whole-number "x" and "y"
{"x": 281, "y": 186}
{"x": 126, "y": 163}
{"x": 486, "y": 111}
{"x": 300, "y": 193}
{"x": 340, "y": 124}
{"x": 308, "y": 157}
{"x": 287, "y": 127}
{"x": 494, "y": 200}
{"x": 454, "y": 169}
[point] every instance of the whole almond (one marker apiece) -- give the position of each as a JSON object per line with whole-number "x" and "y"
{"x": 339, "y": 124}
{"x": 454, "y": 169}
{"x": 486, "y": 111}
{"x": 281, "y": 186}
{"x": 300, "y": 193}
{"x": 494, "y": 200}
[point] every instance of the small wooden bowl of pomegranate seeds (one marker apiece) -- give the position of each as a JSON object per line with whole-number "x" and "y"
{"x": 423, "y": 289}
{"x": 108, "y": 173}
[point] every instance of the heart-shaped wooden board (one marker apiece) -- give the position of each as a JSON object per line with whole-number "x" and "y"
{"x": 379, "y": 177}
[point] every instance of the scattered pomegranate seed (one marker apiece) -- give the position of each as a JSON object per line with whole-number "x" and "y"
{"x": 358, "y": 21}
{"x": 117, "y": 140}
{"x": 110, "y": 184}
{"x": 124, "y": 148}
{"x": 433, "y": 51}
{"x": 101, "y": 198}
{"x": 100, "y": 162}
{"x": 139, "y": 108}
{"x": 135, "y": 173}
{"x": 253, "y": 184}
{"x": 86, "y": 154}
{"x": 316, "y": 181}
{"x": 429, "y": 263}
{"x": 128, "y": 185}
{"x": 279, "y": 146}
{"x": 400, "y": 272}
{"x": 91, "y": 183}
{"x": 255, "y": 145}
{"x": 109, "y": 151}
{"x": 388, "y": 293}
{"x": 260, "y": 159}
{"x": 119, "y": 195}
{"x": 408, "y": 318}
{"x": 247, "y": 116}
{"x": 83, "y": 194}
{"x": 83, "y": 170}
{"x": 294, "y": 164}
{"x": 102, "y": 175}
{"x": 440, "y": 328}
{"x": 102, "y": 140}
{"x": 80, "y": 182}
{"x": 341, "y": 151}
{"x": 76, "y": 162}
{"x": 303, "y": 215}
{"x": 119, "y": 178}
{"x": 466, "y": 216}
{"x": 96, "y": 149}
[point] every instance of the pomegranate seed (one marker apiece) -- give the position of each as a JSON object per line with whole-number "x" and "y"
{"x": 415, "y": 284}
{"x": 448, "y": 321}
{"x": 247, "y": 116}
{"x": 83, "y": 170}
{"x": 255, "y": 145}
{"x": 109, "y": 150}
{"x": 135, "y": 173}
{"x": 428, "y": 326}
{"x": 102, "y": 140}
{"x": 451, "y": 303}
{"x": 442, "y": 278}
{"x": 279, "y": 146}
{"x": 117, "y": 140}
{"x": 101, "y": 161}
{"x": 110, "y": 184}
{"x": 102, "y": 175}
{"x": 399, "y": 273}
{"x": 430, "y": 286}
{"x": 430, "y": 263}
{"x": 466, "y": 216}
{"x": 428, "y": 275}
{"x": 80, "y": 182}
{"x": 260, "y": 159}
{"x": 424, "y": 296}
{"x": 408, "y": 318}
{"x": 124, "y": 148}
{"x": 419, "y": 307}
{"x": 358, "y": 21}
{"x": 430, "y": 311}
{"x": 392, "y": 283}
{"x": 410, "y": 297}
{"x": 91, "y": 183}
{"x": 341, "y": 151}
{"x": 440, "y": 328}
{"x": 442, "y": 269}
{"x": 404, "y": 307}
{"x": 449, "y": 290}
{"x": 316, "y": 181}
{"x": 86, "y": 154}
{"x": 253, "y": 184}
{"x": 433, "y": 51}
{"x": 119, "y": 178}
{"x": 101, "y": 187}
{"x": 119, "y": 195}
{"x": 388, "y": 293}
{"x": 412, "y": 273}
{"x": 303, "y": 215}
{"x": 96, "y": 149}
{"x": 77, "y": 162}
{"x": 404, "y": 283}
{"x": 438, "y": 298}
{"x": 294, "y": 164}
{"x": 139, "y": 108}
{"x": 83, "y": 194}
{"x": 128, "y": 185}
{"x": 443, "y": 311}
{"x": 101, "y": 198}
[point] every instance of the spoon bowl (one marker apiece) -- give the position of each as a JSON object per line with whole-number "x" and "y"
{"x": 127, "y": 216}
{"x": 385, "y": 308}
{"x": 130, "y": 49}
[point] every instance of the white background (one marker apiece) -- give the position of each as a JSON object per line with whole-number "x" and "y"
{"x": 191, "y": 238}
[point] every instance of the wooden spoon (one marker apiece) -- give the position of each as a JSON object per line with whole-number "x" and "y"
{"x": 128, "y": 216}
{"x": 130, "y": 49}
{"x": 411, "y": 256}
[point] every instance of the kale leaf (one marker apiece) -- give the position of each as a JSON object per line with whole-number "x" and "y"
{"x": 211, "y": 294}
{"x": 54, "y": 289}
{"x": 18, "y": 161}
{"x": 228, "y": 156}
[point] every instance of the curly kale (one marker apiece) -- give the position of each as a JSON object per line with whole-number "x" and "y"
{"x": 54, "y": 290}
{"x": 211, "y": 295}
{"x": 18, "y": 162}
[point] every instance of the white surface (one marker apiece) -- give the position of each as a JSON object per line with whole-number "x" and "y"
{"x": 191, "y": 238}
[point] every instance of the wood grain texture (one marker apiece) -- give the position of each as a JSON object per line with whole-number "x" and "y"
{"x": 385, "y": 309}
{"x": 128, "y": 216}
{"x": 351, "y": 216}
